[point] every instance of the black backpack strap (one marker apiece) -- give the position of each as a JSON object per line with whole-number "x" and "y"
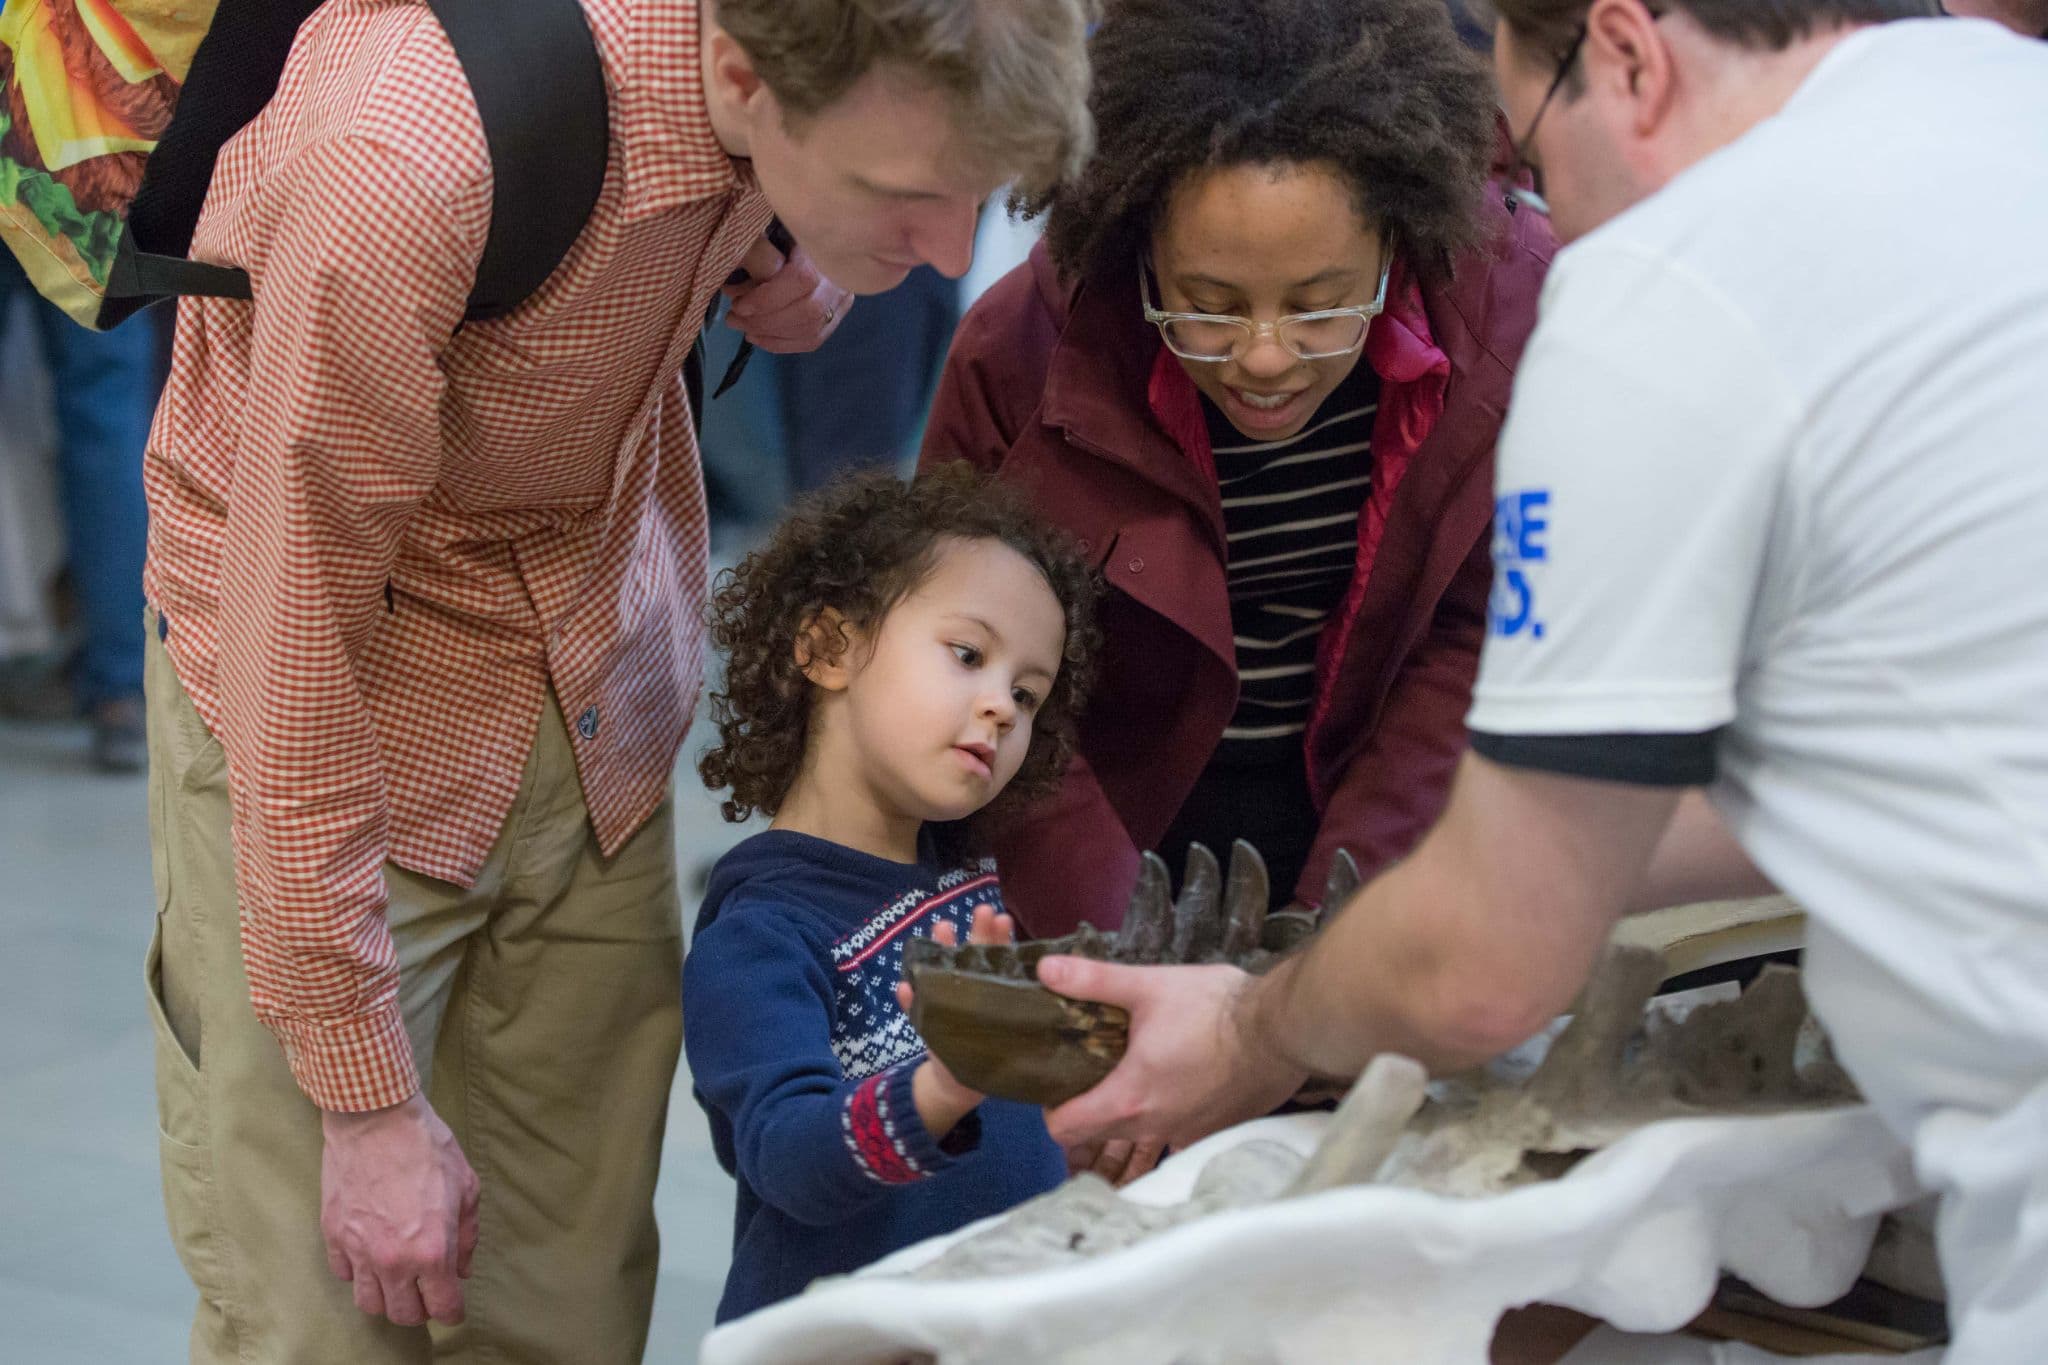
{"x": 693, "y": 382}
{"x": 547, "y": 136}
{"x": 234, "y": 73}
{"x": 539, "y": 87}
{"x": 140, "y": 278}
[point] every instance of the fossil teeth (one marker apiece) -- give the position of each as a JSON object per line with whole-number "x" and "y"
{"x": 1148, "y": 922}
{"x": 1341, "y": 883}
{"x": 1197, "y": 934}
{"x": 1244, "y": 903}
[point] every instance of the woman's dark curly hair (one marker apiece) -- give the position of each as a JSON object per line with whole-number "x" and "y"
{"x": 859, "y": 547}
{"x": 1382, "y": 89}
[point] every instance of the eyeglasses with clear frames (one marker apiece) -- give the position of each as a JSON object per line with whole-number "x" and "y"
{"x": 1217, "y": 337}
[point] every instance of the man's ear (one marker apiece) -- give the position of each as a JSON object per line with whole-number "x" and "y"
{"x": 730, "y": 71}
{"x": 824, "y": 650}
{"x": 1623, "y": 38}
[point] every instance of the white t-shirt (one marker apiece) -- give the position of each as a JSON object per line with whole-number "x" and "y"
{"x": 1773, "y": 511}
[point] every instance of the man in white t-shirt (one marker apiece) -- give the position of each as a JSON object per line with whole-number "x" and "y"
{"x": 1772, "y": 521}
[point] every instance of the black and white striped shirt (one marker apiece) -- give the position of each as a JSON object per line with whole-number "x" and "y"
{"x": 1290, "y": 513}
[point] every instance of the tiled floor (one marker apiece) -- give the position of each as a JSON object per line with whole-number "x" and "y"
{"x": 87, "y": 1276}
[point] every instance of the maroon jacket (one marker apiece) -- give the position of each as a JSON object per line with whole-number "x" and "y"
{"x": 1067, "y": 390}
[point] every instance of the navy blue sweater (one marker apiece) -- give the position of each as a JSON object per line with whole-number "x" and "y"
{"x": 802, "y": 1059}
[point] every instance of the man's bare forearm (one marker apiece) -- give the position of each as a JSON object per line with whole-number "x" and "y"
{"x": 1383, "y": 979}
{"x": 1477, "y": 939}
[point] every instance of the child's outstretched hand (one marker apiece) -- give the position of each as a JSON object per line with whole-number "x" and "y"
{"x": 941, "y": 1100}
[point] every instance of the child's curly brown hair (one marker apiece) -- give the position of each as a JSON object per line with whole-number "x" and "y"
{"x": 859, "y": 547}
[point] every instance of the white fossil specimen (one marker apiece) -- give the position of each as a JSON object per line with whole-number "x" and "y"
{"x": 1615, "y": 1068}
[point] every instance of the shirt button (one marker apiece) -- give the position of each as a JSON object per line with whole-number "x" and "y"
{"x": 1137, "y": 566}
{"x": 1082, "y": 546}
{"x": 586, "y": 724}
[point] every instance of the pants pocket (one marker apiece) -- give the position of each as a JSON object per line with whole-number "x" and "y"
{"x": 182, "y": 1147}
{"x": 180, "y": 1113}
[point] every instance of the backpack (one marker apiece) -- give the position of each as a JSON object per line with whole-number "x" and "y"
{"x": 112, "y": 113}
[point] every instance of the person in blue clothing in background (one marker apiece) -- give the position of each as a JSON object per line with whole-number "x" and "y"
{"x": 905, "y": 663}
{"x": 105, "y": 385}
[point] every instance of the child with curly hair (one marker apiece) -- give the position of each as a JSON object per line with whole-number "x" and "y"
{"x": 905, "y": 662}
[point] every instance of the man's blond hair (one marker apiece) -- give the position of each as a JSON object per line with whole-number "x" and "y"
{"x": 1015, "y": 70}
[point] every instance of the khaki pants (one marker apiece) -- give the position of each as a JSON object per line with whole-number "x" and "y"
{"x": 544, "y": 1005}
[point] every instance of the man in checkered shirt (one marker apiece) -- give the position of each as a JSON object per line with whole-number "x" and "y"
{"x": 424, "y": 639}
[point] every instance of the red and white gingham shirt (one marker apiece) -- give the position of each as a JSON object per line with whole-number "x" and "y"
{"x": 378, "y": 539}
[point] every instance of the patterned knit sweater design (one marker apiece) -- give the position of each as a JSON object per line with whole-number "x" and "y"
{"x": 802, "y": 1061}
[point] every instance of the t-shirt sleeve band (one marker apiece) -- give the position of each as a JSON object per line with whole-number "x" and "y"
{"x": 1648, "y": 760}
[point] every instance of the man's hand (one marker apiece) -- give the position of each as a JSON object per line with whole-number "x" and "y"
{"x": 1192, "y": 1066}
{"x": 785, "y": 306}
{"x": 1453, "y": 955}
{"x": 398, "y": 1209}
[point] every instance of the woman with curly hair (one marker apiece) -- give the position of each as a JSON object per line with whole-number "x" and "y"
{"x": 903, "y": 661}
{"x": 1257, "y": 367}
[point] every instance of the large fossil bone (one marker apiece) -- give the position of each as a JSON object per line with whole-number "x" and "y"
{"x": 1623, "y": 1062}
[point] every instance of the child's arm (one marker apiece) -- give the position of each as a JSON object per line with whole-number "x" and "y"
{"x": 758, "y": 1011}
{"x": 941, "y": 1100}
